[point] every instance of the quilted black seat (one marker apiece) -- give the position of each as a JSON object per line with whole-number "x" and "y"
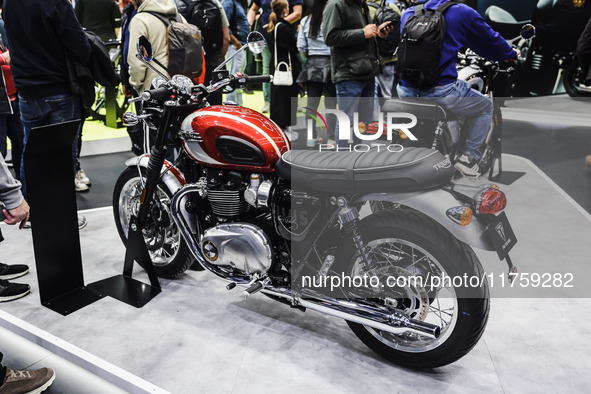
{"x": 413, "y": 169}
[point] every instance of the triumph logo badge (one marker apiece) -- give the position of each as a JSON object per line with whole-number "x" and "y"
{"x": 210, "y": 251}
{"x": 501, "y": 231}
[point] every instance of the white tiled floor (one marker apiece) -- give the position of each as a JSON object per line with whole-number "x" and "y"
{"x": 196, "y": 337}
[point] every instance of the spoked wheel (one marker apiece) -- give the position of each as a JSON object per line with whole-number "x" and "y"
{"x": 168, "y": 251}
{"x": 406, "y": 244}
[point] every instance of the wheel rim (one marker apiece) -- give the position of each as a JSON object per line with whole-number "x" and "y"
{"x": 400, "y": 257}
{"x": 163, "y": 242}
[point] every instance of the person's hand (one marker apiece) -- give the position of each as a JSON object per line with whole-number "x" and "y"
{"x": 238, "y": 45}
{"x": 518, "y": 51}
{"x": 18, "y": 214}
{"x": 6, "y": 56}
{"x": 384, "y": 29}
{"x": 370, "y": 31}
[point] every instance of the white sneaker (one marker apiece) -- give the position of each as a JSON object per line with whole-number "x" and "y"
{"x": 79, "y": 186}
{"x": 82, "y": 177}
{"x": 266, "y": 107}
{"x": 314, "y": 143}
{"x": 82, "y": 222}
{"x": 467, "y": 165}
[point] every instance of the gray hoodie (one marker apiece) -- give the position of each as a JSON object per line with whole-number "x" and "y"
{"x": 10, "y": 188}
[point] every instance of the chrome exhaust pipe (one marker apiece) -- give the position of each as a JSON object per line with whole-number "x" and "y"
{"x": 395, "y": 323}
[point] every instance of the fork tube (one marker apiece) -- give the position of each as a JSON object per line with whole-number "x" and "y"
{"x": 155, "y": 163}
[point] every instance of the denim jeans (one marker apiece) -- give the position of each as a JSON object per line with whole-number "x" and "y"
{"x": 460, "y": 99}
{"x": 348, "y": 98}
{"x": 44, "y": 111}
{"x": 266, "y": 56}
{"x": 385, "y": 81}
{"x": 234, "y": 66}
{"x": 11, "y": 126}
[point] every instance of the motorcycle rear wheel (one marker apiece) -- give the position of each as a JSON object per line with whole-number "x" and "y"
{"x": 168, "y": 251}
{"x": 571, "y": 79}
{"x": 405, "y": 242}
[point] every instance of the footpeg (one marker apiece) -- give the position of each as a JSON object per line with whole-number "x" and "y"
{"x": 512, "y": 269}
{"x": 230, "y": 285}
{"x": 255, "y": 288}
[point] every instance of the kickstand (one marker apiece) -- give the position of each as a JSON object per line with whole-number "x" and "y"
{"x": 123, "y": 287}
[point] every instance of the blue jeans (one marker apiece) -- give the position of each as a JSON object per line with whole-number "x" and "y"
{"x": 44, "y": 111}
{"x": 233, "y": 67}
{"x": 12, "y": 127}
{"x": 460, "y": 99}
{"x": 385, "y": 81}
{"x": 348, "y": 94}
{"x": 266, "y": 56}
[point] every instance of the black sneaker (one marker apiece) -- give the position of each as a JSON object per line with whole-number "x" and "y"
{"x": 30, "y": 382}
{"x": 12, "y": 291}
{"x": 12, "y": 271}
{"x": 467, "y": 165}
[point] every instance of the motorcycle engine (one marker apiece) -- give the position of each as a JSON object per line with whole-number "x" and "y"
{"x": 238, "y": 246}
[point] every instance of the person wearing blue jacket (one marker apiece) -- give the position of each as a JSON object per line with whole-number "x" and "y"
{"x": 464, "y": 28}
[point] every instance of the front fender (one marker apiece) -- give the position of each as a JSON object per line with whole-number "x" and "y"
{"x": 435, "y": 204}
{"x": 172, "y": 178}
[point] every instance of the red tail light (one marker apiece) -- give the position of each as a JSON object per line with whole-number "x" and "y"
{"x": 490, "y": 200}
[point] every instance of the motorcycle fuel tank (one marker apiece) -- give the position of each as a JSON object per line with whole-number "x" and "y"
{"x": 229, "y": 136}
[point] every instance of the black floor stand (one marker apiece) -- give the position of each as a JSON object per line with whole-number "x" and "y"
{"x": 503, "y": 177}
{"x": 123, "y": 287}
{"x": 56, "y": 239}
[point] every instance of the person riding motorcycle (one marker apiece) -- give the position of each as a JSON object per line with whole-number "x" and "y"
{"x": 464, "y": 28}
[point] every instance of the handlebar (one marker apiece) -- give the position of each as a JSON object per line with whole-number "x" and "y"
{"x": 237, "y": 81}
{"x": 259, "y": 79}
{"x": 156, "y": 94}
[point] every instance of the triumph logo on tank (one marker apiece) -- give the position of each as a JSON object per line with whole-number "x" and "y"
{"x": 388, "y": 125}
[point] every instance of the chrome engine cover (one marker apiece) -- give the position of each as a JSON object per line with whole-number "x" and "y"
{"x": 239, "y": 246}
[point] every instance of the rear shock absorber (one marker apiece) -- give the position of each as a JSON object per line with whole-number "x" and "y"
{"x": 349, "y": 220}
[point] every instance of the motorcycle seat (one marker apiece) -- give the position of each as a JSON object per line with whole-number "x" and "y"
{"x": 503, "y": 22}
{"x": 419, "y": 107}
{"x": 374, "y": 171}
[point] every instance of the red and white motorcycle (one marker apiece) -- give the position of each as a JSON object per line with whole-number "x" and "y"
{"x": 286, "y": 223}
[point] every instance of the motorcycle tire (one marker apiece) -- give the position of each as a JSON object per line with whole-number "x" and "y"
{"x": 571, "y": 80}
{"x": 411, "y": 238}
{"x": 168, "y": 251}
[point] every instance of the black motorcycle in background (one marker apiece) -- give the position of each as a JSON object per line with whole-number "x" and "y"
{"x": 550, "y": 58}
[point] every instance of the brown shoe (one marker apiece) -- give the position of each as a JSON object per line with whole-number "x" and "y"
{"x": 27, "y": 382}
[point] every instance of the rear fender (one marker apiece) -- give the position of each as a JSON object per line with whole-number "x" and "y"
{"x": 172, "y": 178}
{"x": 435, "y": 204}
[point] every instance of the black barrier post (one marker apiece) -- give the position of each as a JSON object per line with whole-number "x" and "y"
{"x": 50, "y": 191}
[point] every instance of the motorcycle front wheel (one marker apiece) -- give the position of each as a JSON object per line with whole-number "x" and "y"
{"x": 572, "y": 78}
{"x": 405, "y": 243}
{"x": 168, "y": 251}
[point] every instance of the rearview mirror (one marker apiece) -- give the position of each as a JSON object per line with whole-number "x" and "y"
{"x": 528, "y": 31}
{"x": 144, "y": 48}
{"x": 256, "y": 42}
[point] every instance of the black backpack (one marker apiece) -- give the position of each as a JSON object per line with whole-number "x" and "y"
{"x": 206, "y": 15}
{"x": 185, "y": 52}
{"x": 420, "y": 46}
{"x": 387, "y": 46}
